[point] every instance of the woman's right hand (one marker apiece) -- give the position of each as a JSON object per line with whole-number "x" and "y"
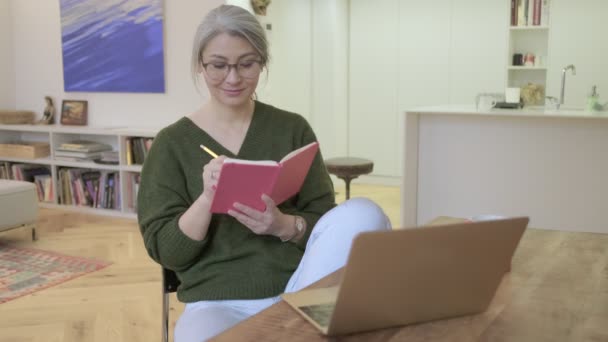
{"x": 211, "y": 173}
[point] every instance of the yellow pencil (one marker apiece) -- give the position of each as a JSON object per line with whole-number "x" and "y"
{"x": 211, "y": 153}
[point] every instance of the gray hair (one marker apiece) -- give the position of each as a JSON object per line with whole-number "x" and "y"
{"x": 235, "y": 21}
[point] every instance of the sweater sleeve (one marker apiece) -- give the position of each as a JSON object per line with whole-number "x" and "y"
{"x": 317, "y": 194}
{"x": 161, "y": 201}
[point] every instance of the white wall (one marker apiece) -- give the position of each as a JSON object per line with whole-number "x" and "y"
{"x": 329, "y": 106}
{"x": 289, "y": 82}
{"x": 308, "y": 70}
{"x": 374, "y": 83}
{"x": 350, "y": 66}
{"x": 409, "y": 53}
{"x": 7, "y": 71}
{"x": 577, "y": 37}
{"x": 38, "y": 66}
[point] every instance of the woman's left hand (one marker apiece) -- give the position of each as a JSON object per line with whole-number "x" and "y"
{"x": 267, "y": 222}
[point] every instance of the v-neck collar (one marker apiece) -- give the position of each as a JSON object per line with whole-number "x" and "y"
{"x": 218, "y": 148}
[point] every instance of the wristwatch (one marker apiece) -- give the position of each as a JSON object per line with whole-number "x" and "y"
{"x": 299, "y": 223}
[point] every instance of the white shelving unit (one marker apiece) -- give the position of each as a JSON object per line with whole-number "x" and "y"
{"x": 56, "y": 135}
{"x": 523, "y": 40}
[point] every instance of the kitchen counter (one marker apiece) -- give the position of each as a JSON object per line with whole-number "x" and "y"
{"x": 546, "y": 164}
{"x": 564, "y": 112}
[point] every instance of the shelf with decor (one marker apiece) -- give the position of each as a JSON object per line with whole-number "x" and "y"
{"x": 528, "y": 28}
{"x": 528, "y": 48}
{"x": 89, "y": 169}
{"x": 520, "y": 67}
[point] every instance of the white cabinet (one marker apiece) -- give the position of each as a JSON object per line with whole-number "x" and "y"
{"x": 124, "y": 175}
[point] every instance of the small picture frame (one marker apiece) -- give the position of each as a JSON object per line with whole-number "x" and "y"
{"x": 74, "y": 112}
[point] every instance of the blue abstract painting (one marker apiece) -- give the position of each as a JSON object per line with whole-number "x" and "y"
{"x": 113, "y": 46}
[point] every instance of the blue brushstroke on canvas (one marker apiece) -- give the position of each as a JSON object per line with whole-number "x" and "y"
{"x": 113, "y": 45}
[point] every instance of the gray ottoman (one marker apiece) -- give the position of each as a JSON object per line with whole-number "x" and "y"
{"x": 18, "y": 205}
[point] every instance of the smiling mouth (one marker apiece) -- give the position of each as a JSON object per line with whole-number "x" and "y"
{"x": 233, "y": 91}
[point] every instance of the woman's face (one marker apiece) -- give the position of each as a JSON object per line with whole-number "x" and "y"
{"x": 231, "y": 67}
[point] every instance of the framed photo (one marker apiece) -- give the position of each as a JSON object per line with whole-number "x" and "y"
{"x": 74, "y": 112}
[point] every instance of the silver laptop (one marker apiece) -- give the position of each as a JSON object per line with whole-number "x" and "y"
{"x": 406, "y": 276}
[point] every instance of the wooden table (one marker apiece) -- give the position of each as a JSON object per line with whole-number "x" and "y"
{"x": 557, "y": 291}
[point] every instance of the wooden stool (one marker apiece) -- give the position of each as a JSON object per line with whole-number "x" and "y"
{"x": 349, "y": 168}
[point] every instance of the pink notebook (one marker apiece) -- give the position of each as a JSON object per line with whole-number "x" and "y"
{"x": 245, "y": 181}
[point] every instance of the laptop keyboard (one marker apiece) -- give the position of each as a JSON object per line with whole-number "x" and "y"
{"x": 320, "y": 313}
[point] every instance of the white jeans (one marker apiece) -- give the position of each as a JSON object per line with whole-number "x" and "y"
{"x": 326, "y": 251}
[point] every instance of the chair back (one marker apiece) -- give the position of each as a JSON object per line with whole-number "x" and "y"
{"x": 170, "y": 281}
{"x": 170, "y": 284}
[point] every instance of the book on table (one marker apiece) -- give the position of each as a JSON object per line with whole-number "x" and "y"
{"x": 245, "y": 181}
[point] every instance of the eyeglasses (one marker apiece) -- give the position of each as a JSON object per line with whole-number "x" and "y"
{"x": 218, "y": 71}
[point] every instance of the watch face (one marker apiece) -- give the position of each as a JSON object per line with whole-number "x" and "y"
{"x": 299, "y": 223}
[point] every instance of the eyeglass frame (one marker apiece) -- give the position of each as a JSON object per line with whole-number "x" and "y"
{"x": 234, "y": 66}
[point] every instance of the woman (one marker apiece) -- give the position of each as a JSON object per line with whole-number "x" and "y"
{"x": 233, "y": 266}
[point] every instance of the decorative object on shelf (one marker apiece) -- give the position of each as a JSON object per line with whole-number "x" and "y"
{"x": 126, "y": 35}
{"x": 74, "y": 112}
{"x": 518, "y": 59}
{"x": 529, "y": 59}
{"x": 260, "y": 6}
{"x": 48, "y": 116}
{"x": 533, "y": 94}
{"x": 38, "y": 269}
{"x": 16, "y": 117}
{"x": 25, "y": 149}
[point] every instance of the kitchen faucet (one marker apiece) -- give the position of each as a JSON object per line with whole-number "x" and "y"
{"x": 561, "y": 94}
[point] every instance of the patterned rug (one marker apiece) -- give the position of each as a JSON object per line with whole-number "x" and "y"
{"x": 25, "y": 270}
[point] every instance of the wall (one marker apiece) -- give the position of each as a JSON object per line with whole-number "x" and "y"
{"x": 409, "y": 53}
{"x": 351, "y": 67}
{"x": 38, "y": 66}
{"x": 7, "y": 71}
{"x": 308, "y": 70}
{"x": 576, "y": 37}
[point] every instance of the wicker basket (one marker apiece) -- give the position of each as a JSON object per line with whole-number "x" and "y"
{"x": 25, "y": 150}
{"x": 16, "y": 117}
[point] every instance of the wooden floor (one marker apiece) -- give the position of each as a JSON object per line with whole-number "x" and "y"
{"x": 119, "y": 303}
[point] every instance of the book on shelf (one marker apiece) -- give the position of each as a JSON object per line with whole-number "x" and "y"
{"x": 90, "y": 188}
{"x": 83, "y": 146}
{"x": 44, "y": 187}
{"x": 529, "y": 12}
{"x": 5, "y": 170}
{"x": 108, "y": 157}
{"x": 245, "y": 181}
{"x": 77, "y": 154}
{"x": 137, "y": 149}
{"x": 544, "y": 12}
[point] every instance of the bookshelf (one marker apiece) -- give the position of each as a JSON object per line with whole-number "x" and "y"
{"x": 125, "y": 174}
{"x": 528, "y": 34}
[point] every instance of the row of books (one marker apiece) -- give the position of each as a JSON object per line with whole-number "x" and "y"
{"x": 90, "y": 188}
{"x": 133, "y": 180}
{"x": 81, "y": 187}
{"x": 137, "y": 149}
{"x": 529, "y": 12}
{"x": 38, "y": 174}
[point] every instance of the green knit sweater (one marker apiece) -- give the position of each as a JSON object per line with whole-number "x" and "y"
{"x": 231, "y": 262}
